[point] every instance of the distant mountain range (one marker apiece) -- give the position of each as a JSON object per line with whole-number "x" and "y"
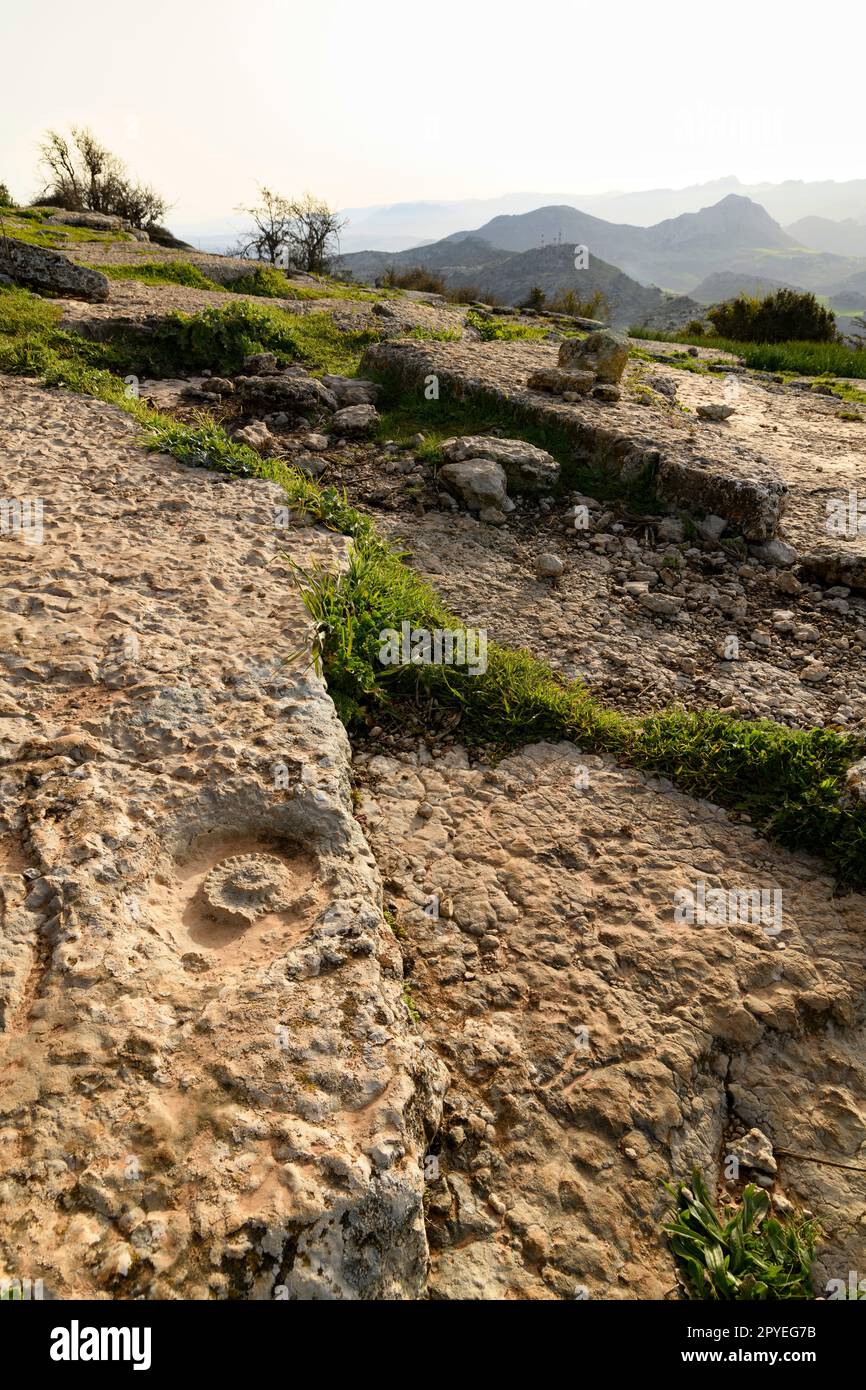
{"x": 845, "y": 238}
{"x": 508, "y": 277}
{"x": 397, "y": 226}
{"x": 732, "y": 246}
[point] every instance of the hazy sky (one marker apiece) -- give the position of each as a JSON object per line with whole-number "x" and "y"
{"x": 392, "y": 100}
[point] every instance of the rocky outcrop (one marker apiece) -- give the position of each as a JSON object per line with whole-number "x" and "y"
{"x": 480, "y": 483}
{"x": 96, "y": 221}
{"x": 47, "y": 272}
{"x": 599, "y": 1042}
{"x": 289, "y": 391}
{"x": 614, "y": 433}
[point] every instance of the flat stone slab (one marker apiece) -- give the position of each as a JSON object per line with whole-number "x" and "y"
{"x": 820, "y": 456}
{"x": 210, "y": 1086}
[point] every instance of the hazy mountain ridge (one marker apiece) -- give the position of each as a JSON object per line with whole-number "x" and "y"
{"x": 423, "y": 221}
{"x": 509, "y": 278}
{"x": 735, "y": 239}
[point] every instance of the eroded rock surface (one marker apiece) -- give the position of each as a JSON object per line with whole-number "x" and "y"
{"x": 209, "y": 1083}
{"x": 48, "y": 272}
{"x": 696, "y": 472}
{"x": 597, "y": 1045}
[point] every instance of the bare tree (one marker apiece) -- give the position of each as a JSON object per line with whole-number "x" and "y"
{"x": 64, "y": 179}
{"x": 84, "y": 176}
{"x": 314, "y": 239}
{"x": 296, "y": 233}
{"x": 272, "y": 221}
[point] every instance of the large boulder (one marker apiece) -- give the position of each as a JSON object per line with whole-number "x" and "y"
{"x": 47, "y": 272}
{"x": 604, "y": 353}
{"x": 353, "y": 390}
{"x": 480, "y": 483}
{"x": 555, "y": 380}
{"x": 527, "y": 467}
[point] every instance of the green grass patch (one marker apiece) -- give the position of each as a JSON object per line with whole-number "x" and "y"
{"x": 160, "y": 273}
{"x": 267, "y": 282}
{"x": 743, "y": 1253}
{"x": 495, "y": 331}
{"x": 802, "y": 359}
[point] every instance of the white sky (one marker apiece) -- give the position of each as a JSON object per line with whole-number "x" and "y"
{"x": 394, "y": 100}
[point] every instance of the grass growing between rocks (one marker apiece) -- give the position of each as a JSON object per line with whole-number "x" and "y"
{"x": 32, "y": 225}
{"x": 494, "y": 331}
{"x": 32, "y": 345}
{"x": 787, "y": 781}
{"x": 220, "y": 338}
{"x": 742, "y": 1254}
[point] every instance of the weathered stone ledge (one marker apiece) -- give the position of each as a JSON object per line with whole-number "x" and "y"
{"x": 695, "y": 467}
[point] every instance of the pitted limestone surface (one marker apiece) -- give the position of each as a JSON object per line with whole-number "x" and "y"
{"x": 186, "y": 1110}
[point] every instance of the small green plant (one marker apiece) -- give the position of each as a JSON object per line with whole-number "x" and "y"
{"x": 411, "y": 1007}
{"x": 265, "y": 281}
{"x": 743, "y": 1253}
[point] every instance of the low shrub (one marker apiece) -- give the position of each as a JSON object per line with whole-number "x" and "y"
{"x": 786, "y": 315}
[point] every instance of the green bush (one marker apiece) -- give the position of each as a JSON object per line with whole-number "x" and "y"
{"x": 568, "y": 302}
{"x": 779, "y": 318}
{"x": 535, "y": 299}
{"x": 5, "y": 197}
